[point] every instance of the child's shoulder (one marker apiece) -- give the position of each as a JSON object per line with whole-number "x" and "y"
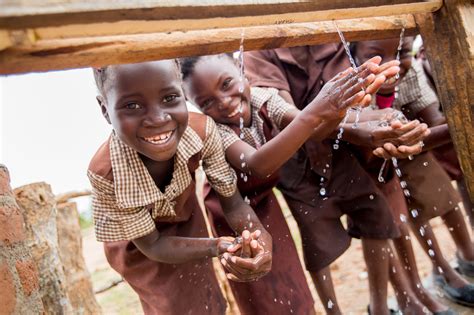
{"x": 101, "y": 164}
{"x": 199, "y": 123}
{"x": 260, "y": 96}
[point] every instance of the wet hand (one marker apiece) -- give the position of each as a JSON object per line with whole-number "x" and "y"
{"x": 250, "y": 257}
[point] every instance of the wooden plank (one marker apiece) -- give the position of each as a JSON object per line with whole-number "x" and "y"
{"x": 136, "y": 27}
{"x": 448, "y": 39}
{"x": 35, "y": 14}
{"x": 97, "y": 51}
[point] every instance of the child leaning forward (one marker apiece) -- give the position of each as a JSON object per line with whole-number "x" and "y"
{"x": 144, "y": 202}
{"x": 256, "y": 152}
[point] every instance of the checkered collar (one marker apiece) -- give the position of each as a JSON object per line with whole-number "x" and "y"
{"x": 133, "y": 184}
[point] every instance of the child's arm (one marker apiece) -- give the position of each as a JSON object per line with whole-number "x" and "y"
{"x": 177, "y": 250}
{"x": 239, "y": 215}
{"x": 337, "y": 95}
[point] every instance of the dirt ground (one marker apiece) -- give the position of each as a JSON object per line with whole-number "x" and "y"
{"x": 349, "y": 275}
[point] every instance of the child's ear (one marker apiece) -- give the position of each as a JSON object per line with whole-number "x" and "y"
{"x": 103, "y": 108}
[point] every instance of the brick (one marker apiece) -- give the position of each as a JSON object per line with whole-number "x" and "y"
{"x": 7, "y": 290}
{"x": 28, "y": 276}
{"x": 11, "y": 225}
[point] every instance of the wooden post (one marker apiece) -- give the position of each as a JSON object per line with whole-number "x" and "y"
{"x": 448, "y": 37}
{"x": 19, "y": 287}
{"x": 78, "y": 282}
{"x": 39, "y": 213}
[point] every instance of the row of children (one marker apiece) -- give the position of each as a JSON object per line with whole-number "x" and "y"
{"x": 277, "y": 132}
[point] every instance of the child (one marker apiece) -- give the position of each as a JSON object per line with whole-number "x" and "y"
{"x": 431, "y": 192}
{"x": 321, "y": 184}
{"x": 212, "y": 82}
{"x": 145, "y": 208}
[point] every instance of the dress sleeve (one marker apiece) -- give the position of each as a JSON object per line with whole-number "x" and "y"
{"x": 112, "y": 223}
{"x": 277, "y": 108}
{"x": 219, "y": 173}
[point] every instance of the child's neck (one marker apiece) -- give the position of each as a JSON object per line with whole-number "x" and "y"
{"x": 161, "y": 172}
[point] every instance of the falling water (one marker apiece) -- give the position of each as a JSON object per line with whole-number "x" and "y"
{"x": 357, "y": 109}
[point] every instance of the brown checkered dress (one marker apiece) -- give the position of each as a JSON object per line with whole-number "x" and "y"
{"x": 121, "y": 204}
{"x": 253, "y": 135}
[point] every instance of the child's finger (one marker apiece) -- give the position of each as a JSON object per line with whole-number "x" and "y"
{"x": 389, "y": 69}
{"x": 246, "y": 251}
{"x": 352, "y": 87}
{"x": 415, "y": 135}
{"x": 375, "y": 85}
{"x": 381, "y": 153}
{"x": 353, "y": 100}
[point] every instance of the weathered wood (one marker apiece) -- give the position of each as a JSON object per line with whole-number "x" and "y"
{"x": 37, "y": 204}
{"x": 78, "y": 280}
{"x": 99, "y": 51}
{"x": 449, "y": 42}
{"x": 19, "y": 285}
{"x": 124, "y": 27}
{"x": 29, "y": 14}
{"x": 62, "y": 198}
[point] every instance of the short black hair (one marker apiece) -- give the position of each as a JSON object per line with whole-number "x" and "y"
{"x": 188, "y": 63}
{"x": 103, "y": 73}
{"x": 100, "y": 75}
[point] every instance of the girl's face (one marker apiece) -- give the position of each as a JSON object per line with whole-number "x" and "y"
{"x": 214, "y": 87}
{"x": 387, "y": 49}
{"x": 145, "y": 104}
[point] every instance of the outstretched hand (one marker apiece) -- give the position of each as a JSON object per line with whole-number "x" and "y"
{"x": 249, "y": 258}
{"x": 351, "y": 88}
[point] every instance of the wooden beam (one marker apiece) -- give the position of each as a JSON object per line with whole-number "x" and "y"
{"x": 98, "y": 51}
{"x": 448, "y": 37}
{"x": 136, "y": 27}
{"x": 33, "y": 14}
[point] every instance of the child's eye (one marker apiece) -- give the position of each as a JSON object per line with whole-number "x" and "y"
{"x": 132, "y": 106}
{"x": 207, "y": 103}
{"x": 170, "y": 98}
{"x": 226, "y": 83}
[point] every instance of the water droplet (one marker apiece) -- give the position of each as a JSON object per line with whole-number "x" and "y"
{"x": 330, "y": 304}
{"x": 398, "y": 172}
{"x": 431, "y": 252}
{"x": 403, "y": 218}
{"x": 406, "y": 192}
{"x": 414, "y": 213}
{"x": 242, "y": 156}
{"x": 403, "y": 184}
{"x": 425, "y": 163}
{"x": 422, "y": 231}
{"x": 322, "y": 191}
{"x": 371, "y": 197}
{"x": 429, "y": 242}
{"x": 243, "y": 164}
{"x": 440, "y": 270}
{"x": 245, "y": 178}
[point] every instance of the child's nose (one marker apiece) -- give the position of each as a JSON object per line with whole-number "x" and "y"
{"x": 225, "y": 102}
{"x": 156, "y": 117}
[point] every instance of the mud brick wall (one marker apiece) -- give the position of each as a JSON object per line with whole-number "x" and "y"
{"x": 19, "y": 286}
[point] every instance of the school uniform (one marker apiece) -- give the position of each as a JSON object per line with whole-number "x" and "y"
{"x": 127, "y": 205}
{"x": 431, "y": 191}
{"x": 321, "y": 184}
{"x": 284, "y": 289}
